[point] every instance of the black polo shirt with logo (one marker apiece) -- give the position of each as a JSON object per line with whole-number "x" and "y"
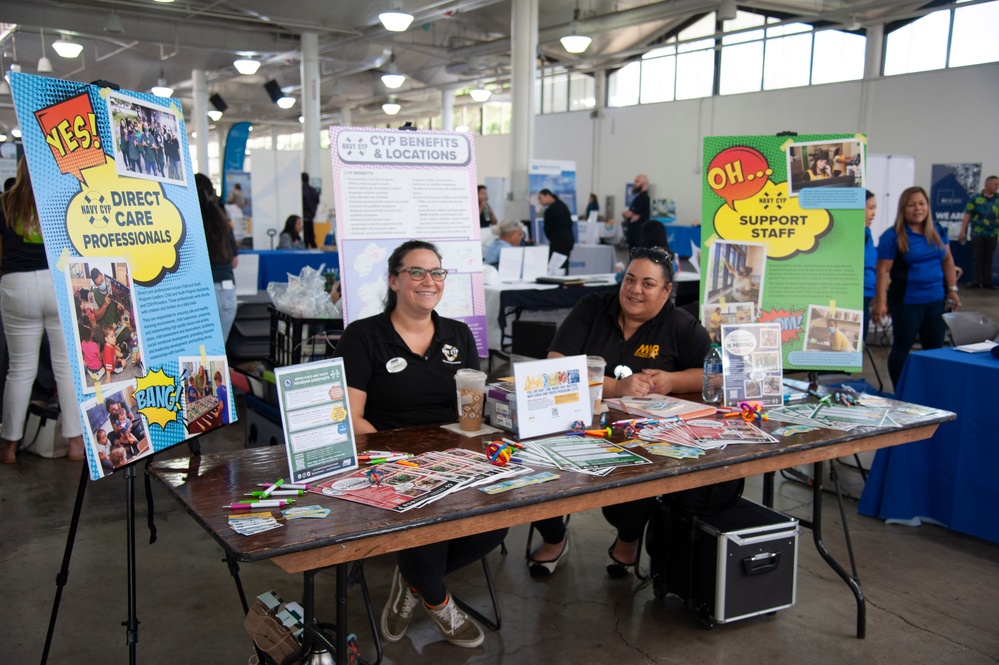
{"x": 422, "y": 390}
{"x": 672, "y": 341}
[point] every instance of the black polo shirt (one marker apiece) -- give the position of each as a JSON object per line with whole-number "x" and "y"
{"x": 422, "y": 390}
{"x": 673, "y": 340}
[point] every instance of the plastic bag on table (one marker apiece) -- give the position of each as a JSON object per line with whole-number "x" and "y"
{"x": 304, "y": 296}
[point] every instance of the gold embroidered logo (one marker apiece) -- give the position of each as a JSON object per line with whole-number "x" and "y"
{"x": 647, "y": 351}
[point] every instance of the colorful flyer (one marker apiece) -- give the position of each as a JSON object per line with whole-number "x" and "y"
{"x": 783, "y": 241}
{"x": 315, "y": 414}
{"x": 751, "y": 363}
{"x": 551, "y": 395}
{"x": 113, "y": 183}
{"x": 392, "y": 186}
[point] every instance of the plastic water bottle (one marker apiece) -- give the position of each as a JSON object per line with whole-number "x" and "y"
{"x": 711, "y": 393}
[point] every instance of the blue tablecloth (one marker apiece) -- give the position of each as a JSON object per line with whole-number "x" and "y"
{"x": 950, "y": 478}
{"x": 275, "y": 264}
{"x": 680, "y": 237}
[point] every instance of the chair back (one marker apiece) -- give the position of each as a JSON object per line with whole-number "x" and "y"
{"x": 970, "y": 327}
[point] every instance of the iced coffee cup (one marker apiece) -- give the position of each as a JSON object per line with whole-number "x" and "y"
{"x": 471, "y": 387}
{"x": 595, "y": 373}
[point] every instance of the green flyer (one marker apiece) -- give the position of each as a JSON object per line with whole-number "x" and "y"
{"x": 782, "y": 241}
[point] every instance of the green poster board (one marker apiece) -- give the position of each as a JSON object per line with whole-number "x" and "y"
{"x": 782, "y": 241}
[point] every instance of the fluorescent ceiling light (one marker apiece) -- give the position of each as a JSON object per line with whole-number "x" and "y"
{"x": 461, "y": 128}
{"x": 161, "y": 89}
{"x": 3, "y": 137}
{"x": 66, "y": 48}
{"x": 16, "y": 132}
{"x": 246, "y": 66}
{"x": 480, "y": 94}
{"x": 163, "y": 1}
{"x": 393, "y": 81}
{"x": 575, "y": 43}
{"x": 391, "y": 108}
{"x": 286, "y": 102}
{"x": 395, "y": 21}
{"x": 215, "y": 115}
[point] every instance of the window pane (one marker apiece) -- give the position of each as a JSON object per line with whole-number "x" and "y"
{"x": 742, "y": 21}
{"x": 788, "y": 62}
{"x": 839, "y": 56}
{"x": 976, "y": 35}
{"x": 695, "y": 74}
{"x": 658, "y": 77}
{"x": 789, "y": 29}
{"x": 560, "y": 94}
{"x": 696, "y": 46}
{"x": 741, "y": 68}
{"x": 622, "y": 85}
{"x": 659, "y": 52}
{"x": 537, "y": 96}
{"x": 919, "y": 46}
{"x": 493, "y": 119}
{"x": 705, "y": 27}
{"x": 581, "y": 92}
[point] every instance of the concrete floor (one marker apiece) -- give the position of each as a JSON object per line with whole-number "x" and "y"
{"x": 931, "y": 592}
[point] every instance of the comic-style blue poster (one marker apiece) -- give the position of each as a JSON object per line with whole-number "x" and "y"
{"x": 111, "y": 174}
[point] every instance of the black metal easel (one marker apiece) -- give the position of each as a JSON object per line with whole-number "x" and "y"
{"x": 132, "y": 622}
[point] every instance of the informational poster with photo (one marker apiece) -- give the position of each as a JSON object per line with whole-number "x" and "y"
{"x": 782, "y": 241}
{"x": 551, "y": 395}
{"x": 751, "y": 364}
{"x": 315, "y": 414}
{"x": 392, "y": 186}
{"x": 114, "y": 187}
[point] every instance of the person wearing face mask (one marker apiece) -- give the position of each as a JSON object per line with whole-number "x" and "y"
{"x": 837, "y": 340}
{"x": 649, "y": 346}
{"x": 915, "y": 274}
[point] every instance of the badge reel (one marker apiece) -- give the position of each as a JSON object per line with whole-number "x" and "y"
{"x": 622, "y": 372}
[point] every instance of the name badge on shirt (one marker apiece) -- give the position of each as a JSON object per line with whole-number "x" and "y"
{"x": 396, "y": 365}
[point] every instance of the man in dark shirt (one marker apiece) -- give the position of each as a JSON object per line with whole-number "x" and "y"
{"x": 310, "y": 202}
{"x": 638, "y": 212}
{"x": 557, "y": 225}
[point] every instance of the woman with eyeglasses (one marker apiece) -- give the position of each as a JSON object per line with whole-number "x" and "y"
{"x": 400, "y": 368}
{"x": 650, "y": 347}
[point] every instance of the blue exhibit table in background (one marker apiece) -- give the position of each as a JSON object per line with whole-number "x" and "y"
{"x": 276, "y": 264}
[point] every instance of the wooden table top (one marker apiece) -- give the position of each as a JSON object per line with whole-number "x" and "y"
{"x": 354, "y": 531}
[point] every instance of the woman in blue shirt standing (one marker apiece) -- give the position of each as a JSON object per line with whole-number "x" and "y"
{"x": 870, "y": 260}
{"x": 915, "y": 272}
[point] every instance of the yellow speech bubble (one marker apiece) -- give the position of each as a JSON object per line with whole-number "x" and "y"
{"x": 773, "y": 218}
{"x": 126, "y": 217}
{"x": 339, "y": 414}
{"x": 157, "y": 398}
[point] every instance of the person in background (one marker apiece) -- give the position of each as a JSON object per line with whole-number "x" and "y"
{"x": 486, "y": 216}
{"x": 310, "y": 203}
{"x": 592, "y": 205}
{"x": 236, "y": 196}
{"x": 982, "y": 213}
{"x": 638, "y": 212}
{"x": 29, "y": 310}
{"x": 915, "y": 273}
{"x": 653, "y": 235}
{"x": 511, "y": 234}
{"x": 222, "y": 251}
{"x": 329, "y": 242}
{"x": 622, "y": 328}
{"x": 839, "y": 162}
{"x": 557, "y": 225}
{"x": 222, "y": 395}
{"x": 870, "y": 259}
{"x": 291, "y": 235}
{"x": 400, "y": 368}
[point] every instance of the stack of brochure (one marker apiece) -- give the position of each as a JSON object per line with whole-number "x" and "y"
{"x": 706, "y": 434}
{"x": 581, "y": 454}
{"x": 417, "y": 481}
{"x": 833, "y": 416}
{"x": 660, "y": 406}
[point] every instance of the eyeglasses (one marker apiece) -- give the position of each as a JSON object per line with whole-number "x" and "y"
{"x": 657, "y": 255}
{"x": 419, "y": 274}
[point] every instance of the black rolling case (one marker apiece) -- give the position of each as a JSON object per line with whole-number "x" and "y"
{"x": 723, "y": 556}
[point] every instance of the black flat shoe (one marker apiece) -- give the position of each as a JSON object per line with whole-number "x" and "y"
{"x": 616, "y": 569}
{"x": 546, "y": 568}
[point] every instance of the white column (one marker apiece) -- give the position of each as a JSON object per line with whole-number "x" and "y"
{"x": 523, "y": 49}
{"x": 345, "y": 116}
{"x": 874, "y": 53}
{"x": 221, "y": 133}
{"x": 597, "y": 115}
{"x": 201, "y": 120}
{"x": 310, "y": 105}
{"x": 447, "y": 109}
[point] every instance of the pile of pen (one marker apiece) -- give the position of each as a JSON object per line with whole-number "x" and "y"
{"x": 383, "y": 456}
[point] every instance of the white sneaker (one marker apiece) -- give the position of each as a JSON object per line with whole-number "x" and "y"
{"x": 456, "y": 626}
{"x": 399, "y": 608}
